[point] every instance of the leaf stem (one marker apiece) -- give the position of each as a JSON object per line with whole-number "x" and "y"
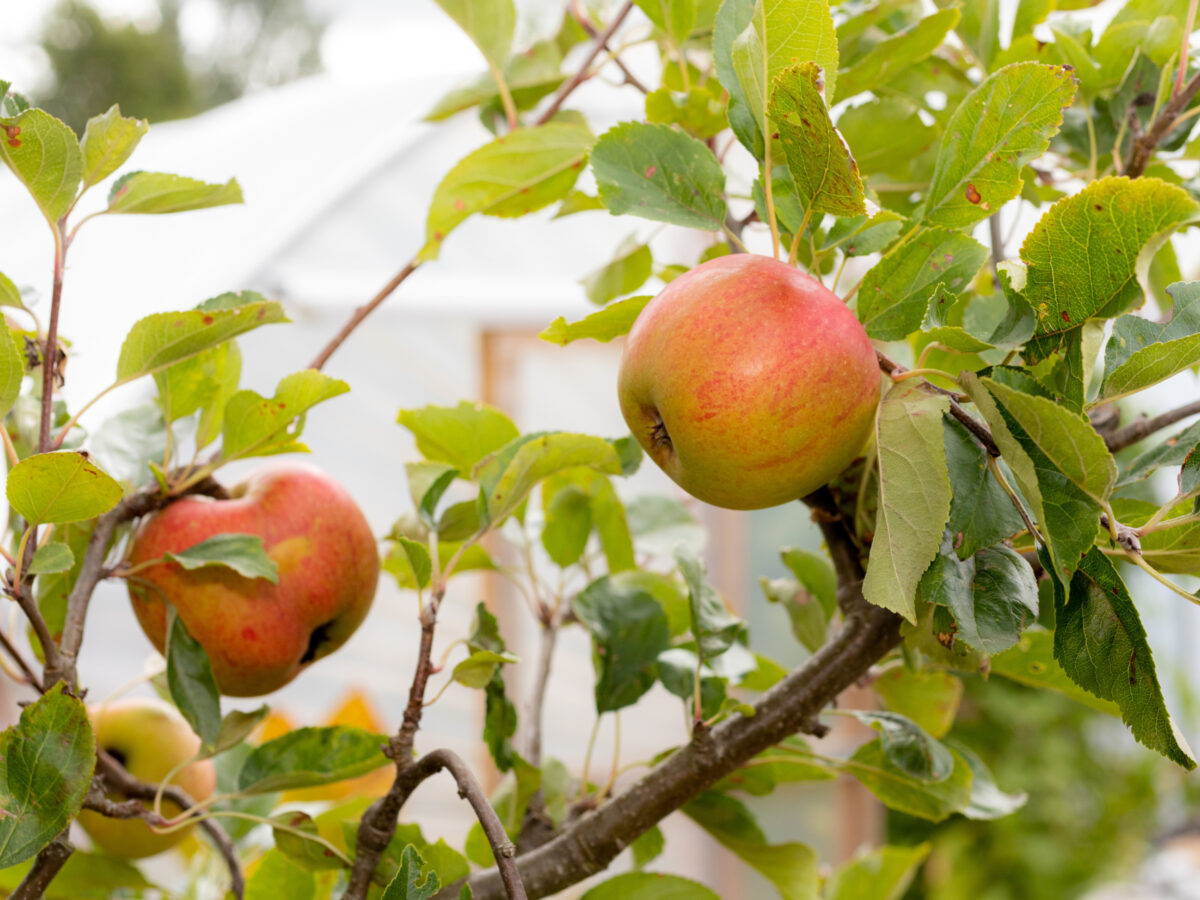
{"x": 1183, "y": 50}
{"x": 1137, "y": 560}
{"x": 994, "y": 467}
{"x": 506, "y": 100}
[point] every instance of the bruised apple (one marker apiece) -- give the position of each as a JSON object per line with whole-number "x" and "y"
{"x": 748, "y": 382}
{"x": 260, "y": 635}
{"x": 149, "y": 738}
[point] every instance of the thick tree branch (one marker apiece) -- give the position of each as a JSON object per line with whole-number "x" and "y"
{"x": 91, "y": 571}
{"x": 46, "y": 865}
{"x": 361, "y": 313}
{"x": 591, "y": 842}
{"x": 1144, "y": 146}
{"x": 120, "y": 780}
{"x": 1143, "y": 428}
{"x": 581, "y": 75}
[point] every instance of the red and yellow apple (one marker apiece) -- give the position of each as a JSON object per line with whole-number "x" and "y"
{"x": 149, "y": 738}
{"x": 260, "y": 635}
{"x": 748, "y": 382}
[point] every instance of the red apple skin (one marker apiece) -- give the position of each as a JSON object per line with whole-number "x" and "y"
{"x": 149, "y": 738}
{"x": 259, "y": 635}
{"x": 764, "y": 382}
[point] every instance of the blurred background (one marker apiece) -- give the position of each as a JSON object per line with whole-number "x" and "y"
{"x": 318, "y": 108}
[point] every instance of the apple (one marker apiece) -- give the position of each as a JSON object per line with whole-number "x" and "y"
{"x": 260, "y": 635}
{"x": 149, "y": 738}
{"x": 748, "y": 382}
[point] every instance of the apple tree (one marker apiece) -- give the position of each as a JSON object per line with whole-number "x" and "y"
{"x": 1009, "y": 486}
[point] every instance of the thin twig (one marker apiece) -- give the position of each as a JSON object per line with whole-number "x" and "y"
{"x": 1143, "y": 428}
{"x": 581, "y": 74}
{"x": 586, "y": 24}
{"x": 1145, "y": 145}
{"x": 50, "y": 349}
{"x": 361, "y": 313}
{"x": 46, "y": 865}
{"x": 120, "y": 780}
{"x": 33, "y": 613}
{"x": 22, "y": 663}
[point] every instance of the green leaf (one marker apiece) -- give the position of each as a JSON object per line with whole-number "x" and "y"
{"x": 1066, "y": 514}
{"x": 413, "y": 882}
{"x": 880, "y": 874}
{"x": 1142, "y": 352}
{"x": 46, "y": 763}
{"x": 929, "y": 697}
{"x": 51, "y": 558}
{"x": 895, "y": 294}
{"x": 277, "y": 876}
{"x": 568, "y": 523}
{"x": 409, "y": 562}
{"x": 530, "y": 75}
{"x": 808, "y": 619}
{"x": 306, "y": 853}
{"x": 787, "y": 762}
{"x": 932, "y": 800}
{"x": 461, "y": 435}
{"x": 887, "y": 135}
{"x": 577, "y": 202}
{"x": 508, "y": 475}
{"x": 489, "y": 23}
{"x": 824, "y": 173}
{"x": 862, "y": 235}
{"x": 309, "y": 757}
{"x": 157, "y": 192}
{"x": 244, "y": 553}
{"x": 9, "y": 294}
{"x": 895, "y": 53}
{"x": 791, "y": 868}
{"x": 778, "y": 35}
{"x": 44, "y": 155}
{"x": 108, "y": 141}
{"x": 1003, "y": 124}
{"x": 190, "y": 681}
{"x": 64, "y": 486}
{"x": 908, "y": 746}
{"x": 627, "y": 272}
{"x": 1032, "y": 662}
{"x": 1170, "y": 452}
{"x": 815, "y": 574}
{"x": 235, "y": 728}
{"x": 163, "y": 339}
{"x": 991, "y": 595}
{"x": 1088, "y": 252}
{"x": 516, "y": 174}
{"x": 658, "y": 173}
{"x": 629, "y": 631}
{"x": 86, "y": 876}
{"x": 914, "y": 496}
{"x": 613, "y": 321}
{"x": 203, "y": 383}
{"x": 981, "y": 513}
{"x": 477, "y": 669}
{"x": 1101, "y": 644}
{"x": 1066, "y": 437}
{"x": 500, "y": 715}
{"x": 987, "y": 800}
{"x": 647, "y": 847}
{"x": 677, "y": 671}
{"x": 675, "y": 17}
{"x": 649, "y": 886}
{"x": 427, "y": 482}
{"x": 258, "y": 426}
{"x": 713, "y": 626}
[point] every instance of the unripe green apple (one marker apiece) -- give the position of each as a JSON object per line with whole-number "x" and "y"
{"x": 260, "y": 635}
{"x": 748, "y": 382}
{"x": 149, "y": 738}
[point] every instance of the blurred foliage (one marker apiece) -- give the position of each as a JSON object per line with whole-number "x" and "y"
{"x": 154, "y": 74}
{"x": 1095, "y": 802}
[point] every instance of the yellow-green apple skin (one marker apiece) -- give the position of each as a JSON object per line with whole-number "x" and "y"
{"x": 149, "y": 738}
{"x": 260, "y": 635}
{"x": 748, "y": 382}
